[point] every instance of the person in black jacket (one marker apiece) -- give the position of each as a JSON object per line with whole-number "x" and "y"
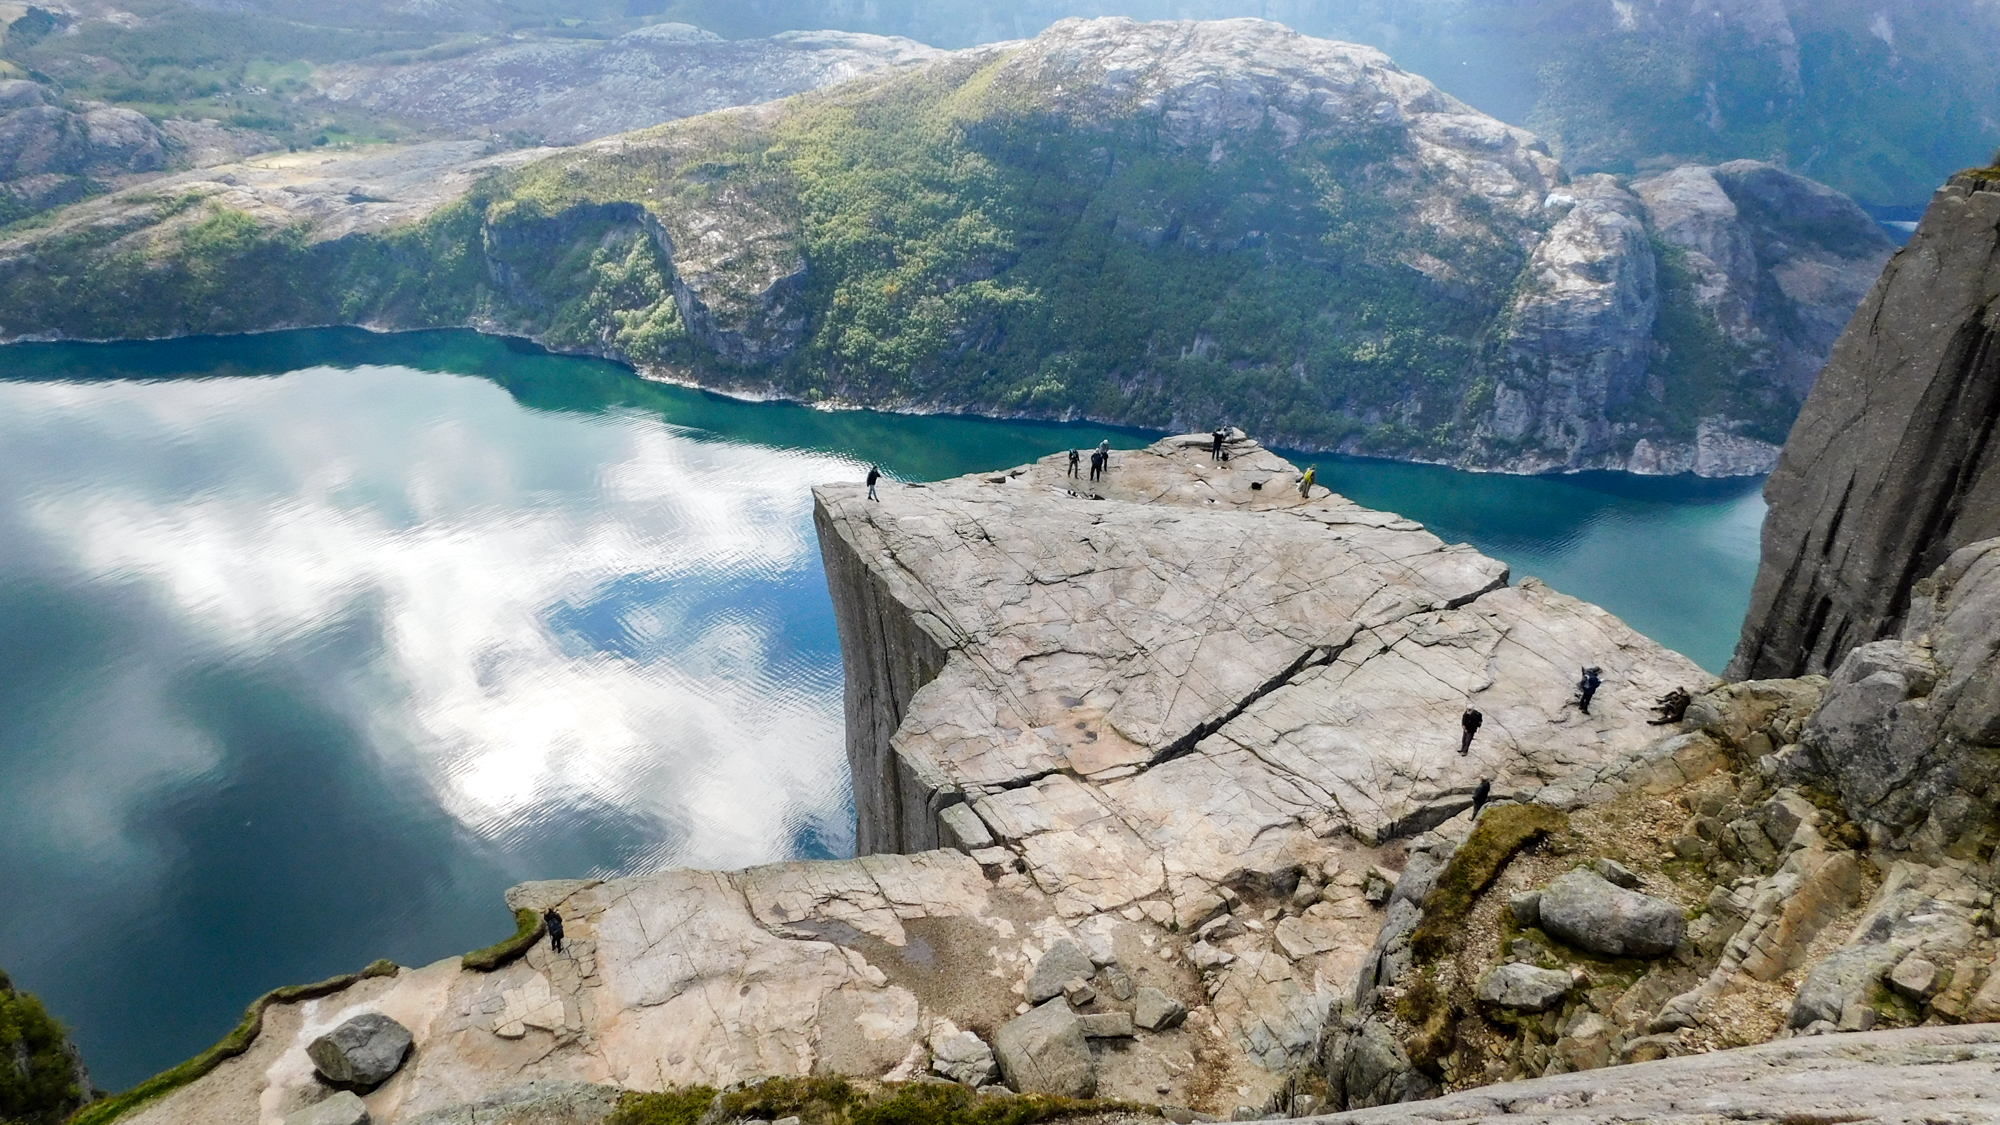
{"x": 553, "y": 921}
{"x": 1593, "y": 678}
{"x": 1470, "y": 721}
{"x": 874, "y": 474}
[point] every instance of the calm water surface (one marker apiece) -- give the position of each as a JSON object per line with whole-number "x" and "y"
{"x": 313, "y": 643}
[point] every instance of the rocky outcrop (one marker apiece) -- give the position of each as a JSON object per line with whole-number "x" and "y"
{"x": 51, "y": 154}
{"x": 1890, "y": 467}
{"x": 1909, "y": 736}
{"x": 567, "y": 91}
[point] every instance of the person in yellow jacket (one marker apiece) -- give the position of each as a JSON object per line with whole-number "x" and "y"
{"x": 1306, "y": 482}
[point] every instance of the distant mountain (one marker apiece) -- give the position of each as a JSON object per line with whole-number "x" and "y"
{"x": 1163, "y": 224}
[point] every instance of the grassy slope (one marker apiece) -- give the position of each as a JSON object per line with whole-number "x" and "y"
{"x": 967, "y": 251}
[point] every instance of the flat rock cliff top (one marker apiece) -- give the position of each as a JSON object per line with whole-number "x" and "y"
{"x": 1155, "y": 682}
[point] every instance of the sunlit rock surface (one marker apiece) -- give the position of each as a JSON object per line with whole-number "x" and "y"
{"x": 1174, "y": 719}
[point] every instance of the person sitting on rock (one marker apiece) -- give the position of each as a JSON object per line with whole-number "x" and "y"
{"x": 1593, "y": 678}
{"x": 874, "y": 474}
{"x": 1470, "y": 721}
{"x": 1075, "y": 460}
{"x": 553, "y": 921}
{"x": 1480, "y": 795}
{"x": 1671, "y": 708}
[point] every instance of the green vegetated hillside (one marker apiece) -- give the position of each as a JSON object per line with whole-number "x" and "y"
{"x": 42, "y": 1080}
{"x": 1018, "y": 233}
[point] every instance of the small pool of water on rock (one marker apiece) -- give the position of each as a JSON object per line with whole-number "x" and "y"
{"x": 312, "y": 643}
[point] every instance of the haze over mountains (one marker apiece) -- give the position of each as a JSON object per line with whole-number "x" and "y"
{"x": 1881, "y": 99}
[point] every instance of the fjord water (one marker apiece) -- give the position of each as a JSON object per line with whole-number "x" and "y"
{"x": 312, "y": 643}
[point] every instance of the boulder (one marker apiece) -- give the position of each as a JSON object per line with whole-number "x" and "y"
{"x": 1588, "y": 912}
{"x": 1841, "y": 982}
{"x": 1916, "y": 978}
{"x": 1617, "y": 873}
{"x": 1157, "y": 1011}
{"x": 1065, "y": 961}
{"x": 361, "y": 1053}
{"x": 343, "y": 1108}
{"x": 1524, "y": 987}
{"x": 1526, "y": 907}
{"x": 1045, "y": 1052}
{"x": 1116, "y": 981}
{"x": 963, "y": 1058}
{"x": 1107, "y": 1025}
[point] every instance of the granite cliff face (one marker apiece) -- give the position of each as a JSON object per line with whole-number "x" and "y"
{"x": 1891, "y": 466}
{"x": 1290, "y": 232}
{"x": 51, "y": 155}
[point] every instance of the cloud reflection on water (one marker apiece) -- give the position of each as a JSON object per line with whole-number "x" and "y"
{"x": 568, "y": 612}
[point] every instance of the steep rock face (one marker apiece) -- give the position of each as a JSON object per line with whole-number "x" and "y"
{"x": 569, "y": 91}
{"x": 1909, "y": 735}
{"x": 1290, "y": 232}
{"x": 1890, "y": 466}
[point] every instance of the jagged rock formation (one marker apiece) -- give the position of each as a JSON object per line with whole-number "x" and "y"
{"x": 566, "y": 91}
{"x": 1890, "y": 467}
{"x": 1426, "y": 284}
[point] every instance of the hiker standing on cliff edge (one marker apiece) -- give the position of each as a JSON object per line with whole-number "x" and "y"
{"x": 1075, "y": 459}
{"x": 554, "y": 923}
{"x": 1306, "y": 482}
{"x": 1593, "y": 678}
{"x": 874, "y": 474}
{"x": 1215, "y": 447}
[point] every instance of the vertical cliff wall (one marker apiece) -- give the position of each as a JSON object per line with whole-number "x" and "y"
{"x": 890, "y": 651}
{"x": 1891, "y": 465}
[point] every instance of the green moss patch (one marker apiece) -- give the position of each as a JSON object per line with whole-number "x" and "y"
{"x": 1500, "y": 833}
{"x": 38, "y": 1071}
{"x": 527, "y": 929}
{"x": 838, "y": 1101}
{"x": 232, "y": 1045}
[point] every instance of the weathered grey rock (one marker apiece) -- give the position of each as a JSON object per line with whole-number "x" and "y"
{"x": 540, "y": 1102}
{"x": 1581, "y": 908}
{"x": 1915, "y": 977}
{"x": 362, "y": 1052}
{"x": 964, "y": 1058}
{"x": 961, "y": 828}
{"x": 1107, "y": 1025}
{"x": 343, "y": 1108}
{"x": 1116, "y": 981}
{"x": 1526, "y": 907}
{"x": 1078, "y": 992}
{"x": 1903, "y": 921}
{"x": 1616, "y": 873}
{"x": 1368, "y": 1067}
{"x": 1906, "y": 1077}
{"x": 1888, "y": 469}
{"x": 1910, "y": 727}
{"x": 1524, "y": 987}
{"x": 1065, "y": 961}
{"x": 1045, "y": 1052}
{"x": 1154, "y": 1010}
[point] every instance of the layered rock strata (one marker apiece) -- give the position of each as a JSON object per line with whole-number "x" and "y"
{"x": 1891, "y": 464}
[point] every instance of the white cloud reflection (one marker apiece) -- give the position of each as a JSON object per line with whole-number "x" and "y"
{"x": 573, "y": 610}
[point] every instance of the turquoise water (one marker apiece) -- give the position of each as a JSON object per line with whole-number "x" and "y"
{"x": 312, "y": 643}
